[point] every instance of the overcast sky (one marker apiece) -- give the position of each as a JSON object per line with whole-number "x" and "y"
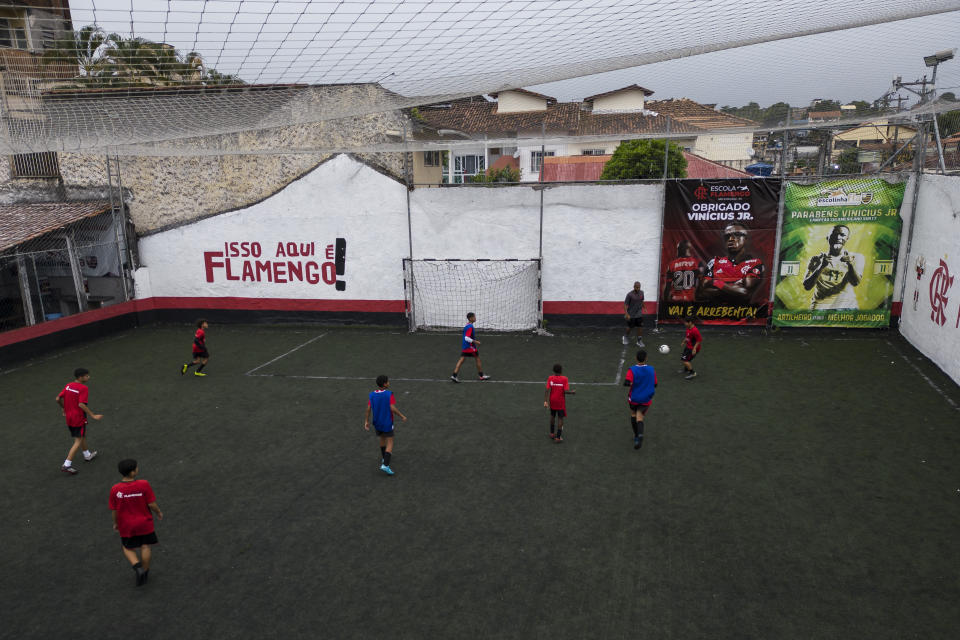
{"x": 451, "y": 47}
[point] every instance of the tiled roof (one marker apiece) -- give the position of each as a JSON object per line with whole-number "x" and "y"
{"x": 589, "y": 168}
{"x": 697, "y": 114}
{"x": 480, "y": 118}
{"x": 528, "y": 93}
{"x": 505, "y": 161}
{"x": 629, "y": 122}
{"x": 824, "y": 115}
{"x": 22, "y": 222}
{"x": 646, "y": 92}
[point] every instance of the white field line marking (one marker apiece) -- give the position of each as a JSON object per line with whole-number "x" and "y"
{"x": 924, "y": 376}
{"x": 623, "y": 357}
{"x": 444, "y": 380}
{"x": 300, "y": 346}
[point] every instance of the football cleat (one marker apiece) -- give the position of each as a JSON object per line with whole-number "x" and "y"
{"x": 199, "y": 374}
{"x": 455, "y": 378}
{"x": 484, "y": 377}
{"x": 387, "y": 470}
{"x": 183, "y": 369}
{"x": 69, "y": 470}
{"x": 93, "y": 454}
{"x": 691, "y": 375}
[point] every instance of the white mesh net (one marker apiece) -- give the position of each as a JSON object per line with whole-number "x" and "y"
{"x": 505, "y": 294}
{"x": 165, "y": 77}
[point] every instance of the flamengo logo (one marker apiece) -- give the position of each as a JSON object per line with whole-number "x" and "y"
{"x": 940, "y": 282}
{"x": 700, "y": 193}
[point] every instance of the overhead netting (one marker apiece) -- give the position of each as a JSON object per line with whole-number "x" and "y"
{"x": 186, "y": 77}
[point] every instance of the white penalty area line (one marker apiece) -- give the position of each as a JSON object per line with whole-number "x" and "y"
{"x": 933, "y": 384}
{"x": 284, "y": 355}
{"x": 444, "y": 380}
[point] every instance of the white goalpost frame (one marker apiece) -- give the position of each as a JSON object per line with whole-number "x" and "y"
{"x": 506, "y": 294}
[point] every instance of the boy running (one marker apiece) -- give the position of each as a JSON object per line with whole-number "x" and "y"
{"x": 73, "y": 402}
{"x": 382, "y": 405}
{"x": 555, "y": 397}
{"x": 468, "y": 349}
{"x": 200, "y": 354}
{"x": 642, "y": 380}
{"x": 692, "y": 342}
{"x": 132, "y": 502}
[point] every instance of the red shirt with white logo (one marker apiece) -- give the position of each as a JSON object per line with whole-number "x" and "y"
{"x": 692, "y": 338}
{"x": 723, "y": 268}
{"x": 130, "y": 500}
{"x": 73, "y": 395}
{"x": 558, "y": 386}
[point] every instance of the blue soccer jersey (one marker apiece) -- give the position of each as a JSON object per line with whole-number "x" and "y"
{"x": 380, "y": 402}
{"x": 467, "y": 346}
{"x": 643, "y": 383}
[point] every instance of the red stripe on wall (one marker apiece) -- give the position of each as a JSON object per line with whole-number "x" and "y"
{"x": 147, "y": 304}
{"x": 568, "y": 307}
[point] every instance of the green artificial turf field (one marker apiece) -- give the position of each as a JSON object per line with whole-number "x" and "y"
{"x": 805, "y": 485}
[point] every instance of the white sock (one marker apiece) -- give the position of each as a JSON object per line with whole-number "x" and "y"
{"x": 67, "y": 463}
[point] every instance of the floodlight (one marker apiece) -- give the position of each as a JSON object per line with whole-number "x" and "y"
{"x": 938, "y": 57}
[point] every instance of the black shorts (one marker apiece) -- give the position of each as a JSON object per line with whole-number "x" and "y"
{"x": 470, "y": 354}
{"x": 688, "y": 355}
{"x": 78, "y": 432}
{"x": 200, "y": 354}
{"x": 135, "y": 542}
{"x": 635, "y": 322}
{"x": 558, "y": 412}
{"x": 642, "y": 408}
{"x": 384, "y": 434}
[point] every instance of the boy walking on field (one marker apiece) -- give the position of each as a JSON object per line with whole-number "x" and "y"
{"x": 642, "y": 380}
{"x": 134, "y": 505}
{"x": 468, "y": 349}
{"x": 692, "y": 342}
{"x": 73, "y": 402}
{"x": 555, "y": 398}
{"x": 200, "y": 354}
{"x": 382, "y": 406}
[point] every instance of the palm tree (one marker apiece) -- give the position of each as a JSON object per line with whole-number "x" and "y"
{"x": 81, "y": 52}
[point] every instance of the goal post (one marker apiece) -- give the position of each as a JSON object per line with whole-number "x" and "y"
{"x": 505, "y": 294}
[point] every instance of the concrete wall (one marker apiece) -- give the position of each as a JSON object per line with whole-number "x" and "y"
{"x": 596, "y": 240}
{"x": 932, "y": 322}
{"x": 514, "y": 102}
{"x": 631, "y": 100}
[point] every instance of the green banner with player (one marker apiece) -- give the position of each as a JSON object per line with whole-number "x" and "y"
{"x": 838, "y": 251}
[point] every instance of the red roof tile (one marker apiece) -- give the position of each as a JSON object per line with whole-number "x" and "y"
{"x": 22, "y": 222}
{"x": 697, "y": 114}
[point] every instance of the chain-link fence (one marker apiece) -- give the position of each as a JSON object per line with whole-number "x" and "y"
{"x": 79, "y": 267}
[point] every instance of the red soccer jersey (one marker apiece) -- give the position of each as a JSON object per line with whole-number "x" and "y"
{"x": 723, "y": 268}
{"x": 558, "y": 386}
{"x": 682, "y": 273}
{"x": 73, "y": 394}
{"x": 130, "y": 500}
{"x": 692, "y": 338}
{"x": 200, "y": 341}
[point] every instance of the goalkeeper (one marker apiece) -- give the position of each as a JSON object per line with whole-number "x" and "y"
{"x": 468, "y": 349}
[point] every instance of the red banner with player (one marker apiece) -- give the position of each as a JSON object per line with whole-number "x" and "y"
{"x": 718, "y": 249}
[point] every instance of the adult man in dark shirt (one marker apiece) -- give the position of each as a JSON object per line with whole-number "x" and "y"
{"x": 633, "y": 313}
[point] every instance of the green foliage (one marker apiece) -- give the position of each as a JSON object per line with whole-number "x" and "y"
{"x": 949, "y": 123}
{"x": 642, "y": 160}
{"x": 102, "y": 60}
{"x": 848, "y": 161}
{"x": 504, "y": 174}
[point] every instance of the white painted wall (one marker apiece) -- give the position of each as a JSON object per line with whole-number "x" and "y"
{"x": 629, "y": 100}
{"x": 936, "y": 237}
{"x": 735, "y": 149}
{"x": 342, "y": 198}
{"x": 515, "y": 102}
{"x": 596, "y": 239}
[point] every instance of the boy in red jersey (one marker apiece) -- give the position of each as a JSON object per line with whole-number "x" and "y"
{"x": 132, "y": 502}
{"x": 692, "y": 342}
{"x": 200, "y": 354}
{"x": 555, "y": 398}
{"x": 73, "y": 403}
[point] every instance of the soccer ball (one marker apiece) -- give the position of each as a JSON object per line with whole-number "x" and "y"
{"x": 664, "y": 349}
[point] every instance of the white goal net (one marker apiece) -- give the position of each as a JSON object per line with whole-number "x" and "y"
{"x": 505, "y": 294}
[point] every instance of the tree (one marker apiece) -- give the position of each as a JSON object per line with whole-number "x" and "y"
{"x": 83, "y": 52}
{"x": 642, "y": 160}
{"x": 848, "y": 161}
{"x": 504, "y": 174}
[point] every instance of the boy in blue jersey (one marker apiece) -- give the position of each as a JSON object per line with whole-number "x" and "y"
{"x": 382, "y": 405}
{"x": 468, "y": 349}
{"x": 642, "y": 380}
